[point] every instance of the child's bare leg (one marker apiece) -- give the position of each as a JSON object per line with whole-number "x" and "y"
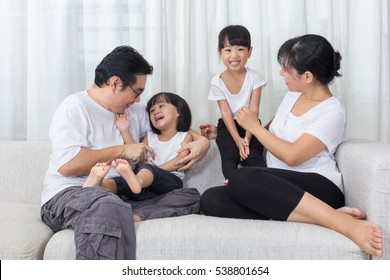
{"x": 96, "y": 175}
{"x": 124, "y": 169}
{"x": 110, "y": 185}
{"x": 137, "y": 218}
{"x": 146, "y": 177}
{"x": 365, "y": 234}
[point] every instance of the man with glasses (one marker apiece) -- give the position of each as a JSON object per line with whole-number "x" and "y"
{"x": 82, "y": 133}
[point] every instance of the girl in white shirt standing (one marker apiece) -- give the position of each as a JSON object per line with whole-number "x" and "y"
{"x": 234, "y": 88}
{"x": 302, "y": 182}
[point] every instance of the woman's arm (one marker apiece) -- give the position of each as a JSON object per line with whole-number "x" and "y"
{"x": 292, "y": 153}
{"x": 254, "y": 106}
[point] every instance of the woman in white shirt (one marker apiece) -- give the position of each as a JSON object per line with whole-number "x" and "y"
{"x": 301, "y": 182}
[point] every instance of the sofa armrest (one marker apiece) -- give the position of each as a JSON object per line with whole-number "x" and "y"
{"x": 365, "y": 167}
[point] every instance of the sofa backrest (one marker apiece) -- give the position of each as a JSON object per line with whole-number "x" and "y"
{"x": 24, "y": 164}
{"x": 208, "y": 172}
{"x": 22, "y": 169}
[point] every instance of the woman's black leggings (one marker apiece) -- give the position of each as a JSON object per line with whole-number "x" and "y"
{"x": 267, "y": 193}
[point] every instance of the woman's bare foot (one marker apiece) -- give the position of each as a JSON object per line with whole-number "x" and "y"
{"x": 354, "y": 212}
{"x": 367, "y": 235}
{"x": 124, "y": 169}
{"x": 96, "y": 175}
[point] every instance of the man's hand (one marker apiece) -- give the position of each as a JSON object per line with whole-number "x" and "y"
{"x": 137, "y": 153}
{"x": 198, "y": 149}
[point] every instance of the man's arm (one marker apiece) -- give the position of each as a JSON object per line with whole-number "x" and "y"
{"x": 171, "y": 164}
{"x": 198, "y": 149}
{"x": 86, "y": 158}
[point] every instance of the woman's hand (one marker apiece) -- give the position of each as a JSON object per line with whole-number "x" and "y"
{"x": 247, "y": 119}
{"x": 208, "y": 130}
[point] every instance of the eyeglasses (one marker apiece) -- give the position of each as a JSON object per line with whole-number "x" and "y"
{"x": 138, "y": 92}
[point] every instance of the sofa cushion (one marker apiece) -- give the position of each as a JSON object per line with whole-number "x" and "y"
{"x": 25, "y": 235}
{"x": 61, "y": 246}
{"x": 208, "y": 173}
{"x": 22, "y": 183}
{"x": 203, "y": 237}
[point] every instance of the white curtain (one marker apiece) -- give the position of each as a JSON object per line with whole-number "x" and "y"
{"x": 49, "y": 49}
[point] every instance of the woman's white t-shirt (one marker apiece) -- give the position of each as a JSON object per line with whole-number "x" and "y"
{"x": 81, "y": 122}
{"x": 219, "y": 91}
{"x": 326, "y": 121}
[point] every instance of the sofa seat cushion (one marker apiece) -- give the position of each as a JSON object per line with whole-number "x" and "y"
{"x": 61, "y": 246}
{"x": 202, "y": 237}
{"x": 23, "y": 235}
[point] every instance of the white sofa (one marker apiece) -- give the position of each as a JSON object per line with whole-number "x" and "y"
{"x": 366, "y": 173}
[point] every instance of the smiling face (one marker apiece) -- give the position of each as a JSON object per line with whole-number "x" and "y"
{"x": 234, "y": 57}
{"x": 163, "y": 115}
{"x": 123, "y": 98}
{"x": 294, "y": 81}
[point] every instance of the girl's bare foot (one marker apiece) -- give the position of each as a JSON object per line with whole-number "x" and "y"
{"x": 354, "y": 212}
{"x": 124, "y": 169}
{"x": 96, "y": 175}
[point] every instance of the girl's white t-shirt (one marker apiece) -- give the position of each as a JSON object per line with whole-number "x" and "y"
{"x": 326, "y": 121}
{"x": 166, "y": 150}
{"x": 219, "y": 91}
{"x": 81, "y": 122}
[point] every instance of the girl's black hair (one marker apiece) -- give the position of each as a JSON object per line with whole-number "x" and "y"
{"x": 124, "y": 62}
{"x": 183, "y": 109}
{"x": 237, "y": 35}
{"x": 311, "y": 53}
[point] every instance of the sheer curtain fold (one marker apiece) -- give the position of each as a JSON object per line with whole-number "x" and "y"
{"x": 50, "y": 49}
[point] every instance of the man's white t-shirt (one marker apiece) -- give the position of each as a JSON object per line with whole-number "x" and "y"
{"x": 81, "y": 122}
{"x": 326, "y": 121}
{"x": 219, "y": 91}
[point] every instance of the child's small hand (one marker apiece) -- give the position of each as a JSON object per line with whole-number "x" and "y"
{"x": 243, "y": 148}
{"x": 122, "y": 122}
{"x": 247, "y": 140}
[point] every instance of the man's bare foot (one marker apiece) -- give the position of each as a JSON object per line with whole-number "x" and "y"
{"x": 354, "y": 212}
{"x": 137, "y": 218}
{"x": 124, "y": 169}
{"x": 367, "y": 235}
{"x": 96, "y": 175}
